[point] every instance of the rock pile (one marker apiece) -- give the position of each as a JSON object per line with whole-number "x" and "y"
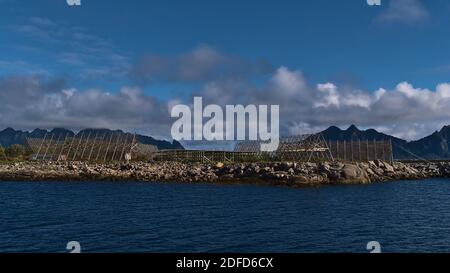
{"x": 291, "y": 174}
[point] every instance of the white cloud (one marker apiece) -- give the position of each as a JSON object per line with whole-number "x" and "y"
{"x": 288, "y": 82}
{"x": 403, "y": 12}
{"x": 404, "y": 111}
{"x": 29, "y": 102}
{"x": 331, "y": 96}
{"x": 443, "y": 90}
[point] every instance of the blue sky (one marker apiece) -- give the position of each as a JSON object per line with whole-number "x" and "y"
{"x": 161, "y": 51}
{"x": 327, "y": 40}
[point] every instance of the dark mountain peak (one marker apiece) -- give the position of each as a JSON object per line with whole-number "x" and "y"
{"x": 436, "y": 136}
{"x": 10, "y": 136}
{"x": 9, "y": 130}
{"x": 38, "y": 133}
{"x": 336, "y": 130}
{"x": 332, "y": 129}
{"x": 434, "y": 146}
{"x": 59, "y": 131}
{"x": 99, "y": 132}
{"x": 445, "y": 130}
{"x": 372, "y": 131}
{"x": 373, "y": 134}
{"x": 161, "y": 144}
{"x": 353, "y": 128}
{"x": 353, "y": 133}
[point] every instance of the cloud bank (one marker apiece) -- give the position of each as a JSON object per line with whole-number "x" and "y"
{"x": 33, "y": 101}
{"x": 404, "y": 110}
{"x": 201, "y": 64}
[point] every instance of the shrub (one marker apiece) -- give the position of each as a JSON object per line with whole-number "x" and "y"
{"x": 15, "y": 151}
{"x": 2, "y": 153}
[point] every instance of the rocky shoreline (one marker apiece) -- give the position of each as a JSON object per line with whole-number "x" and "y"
{"x": 288, "y": 174}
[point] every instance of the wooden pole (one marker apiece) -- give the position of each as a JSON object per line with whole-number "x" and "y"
{"x": 351, "y": 148}
{"x": 367, "y": 150}
{"x": 132, "y": 144}
{"x": 46, "y": 150}
{"x": 70, "y": 146}
{"x": 107, "y": 149}
{"x": 345, "y": 150}
{"x": 392, "y": 151}
{"x": 62, "y": 147}
{"x": 100, "y": 146}
{"x": 124, "y": 145}
{"x": 359, "y": 150}
{"x": 56, "y": 148}
{"x": 94, "y": 143}
{"x": 375, "y": 149}
{"x": 78, "y": 146}
{"x": 40, "y": 147}
{"x": 85, "y": 146}
{"x": 119, "y": 137}
{"x": 337, "y": 150}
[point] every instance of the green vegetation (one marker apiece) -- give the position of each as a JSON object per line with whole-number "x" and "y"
{"x": 2, "y": 153}
{"x": 14, "y": 153}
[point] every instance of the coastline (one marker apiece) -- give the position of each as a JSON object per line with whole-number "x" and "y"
{"x": 286, "y": 174}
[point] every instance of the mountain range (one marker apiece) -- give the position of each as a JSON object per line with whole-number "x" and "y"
{"x": 434, "y": 146}
{"x": 10, "y": 136}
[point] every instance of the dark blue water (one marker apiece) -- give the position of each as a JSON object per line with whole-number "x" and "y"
{"x": 409, "y": 216}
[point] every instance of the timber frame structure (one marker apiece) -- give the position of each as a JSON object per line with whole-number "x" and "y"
{"x": 108, "y": 147}
{"x": 304, "y": 148}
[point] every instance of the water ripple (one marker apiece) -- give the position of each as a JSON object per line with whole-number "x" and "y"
{"x": 411, "y": 216}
